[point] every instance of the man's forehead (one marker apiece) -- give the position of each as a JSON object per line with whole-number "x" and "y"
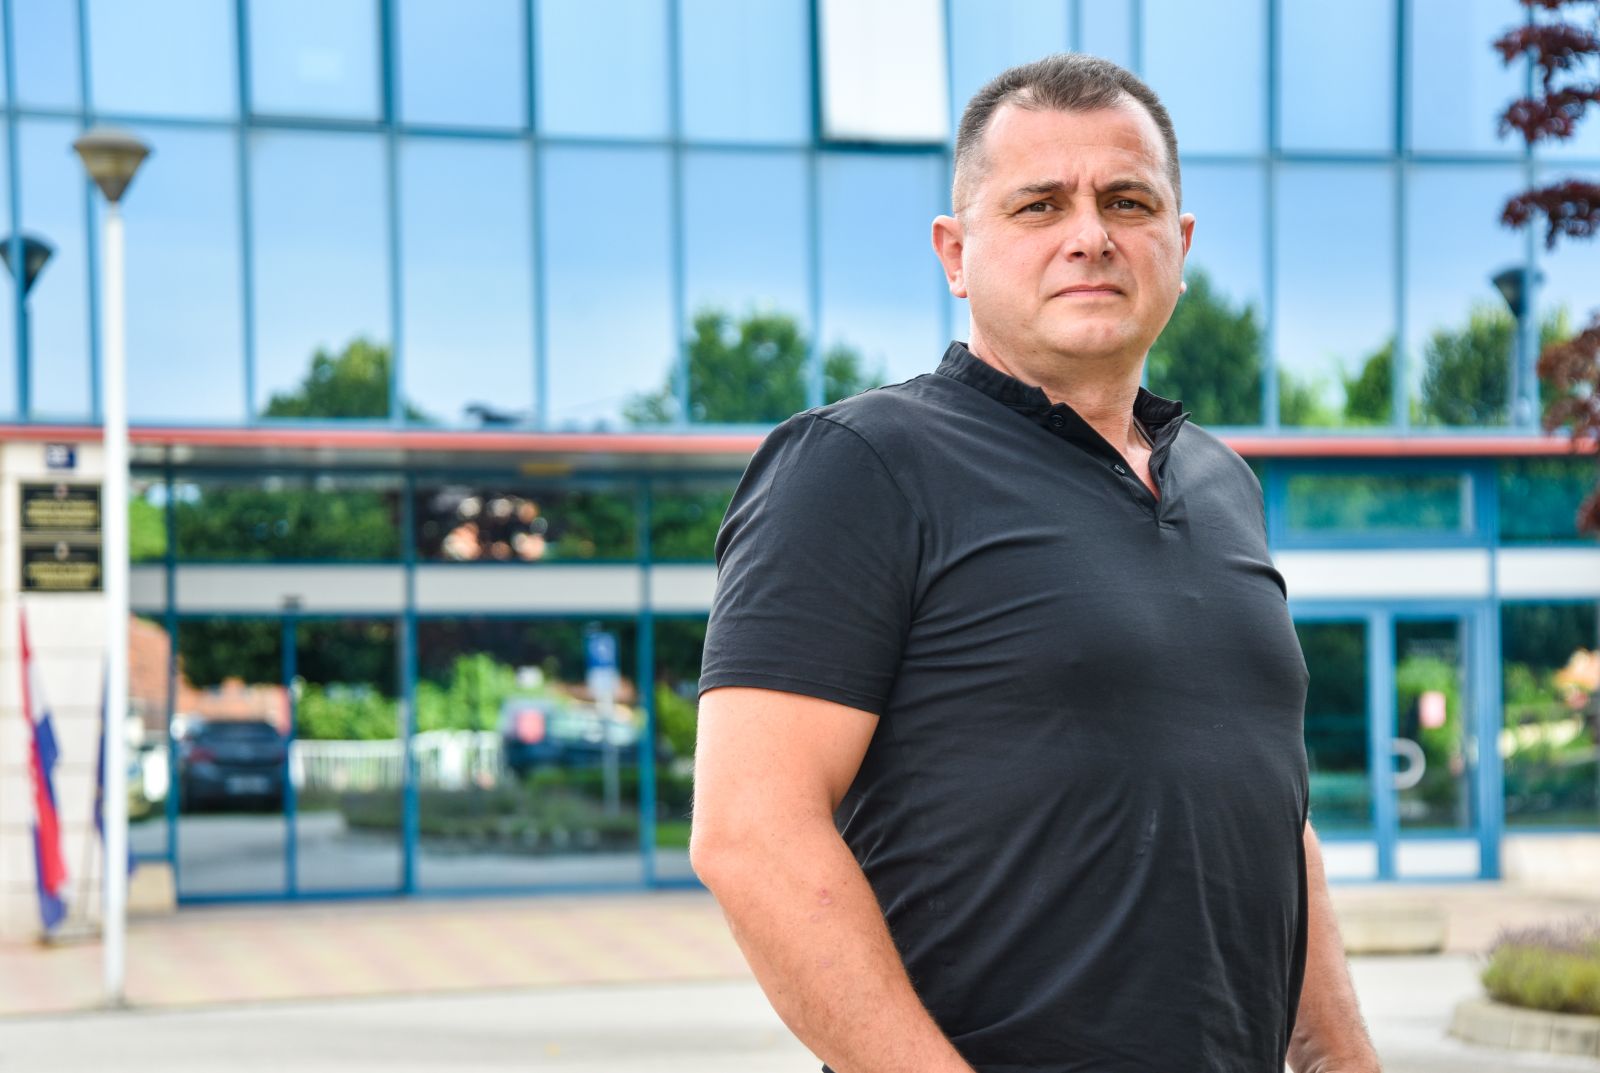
{"x": 1023, "y": 140}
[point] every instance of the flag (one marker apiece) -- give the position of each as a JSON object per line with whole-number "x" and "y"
{"x": 100, "y": 777}
{"x": 50, "y": 864}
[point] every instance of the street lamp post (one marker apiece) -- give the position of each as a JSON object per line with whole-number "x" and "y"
{"x": 35, "y": 253}
{"x": 1516, "y": 285}
{"x": 111, "y": 158}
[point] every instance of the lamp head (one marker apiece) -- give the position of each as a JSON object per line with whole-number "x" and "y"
{"x": 35, "y": 253}
{"x": 111, "y": 157}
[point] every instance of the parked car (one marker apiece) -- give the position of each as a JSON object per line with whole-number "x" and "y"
{"x": 231, "y": 762}
{"x": 543, "y": 730}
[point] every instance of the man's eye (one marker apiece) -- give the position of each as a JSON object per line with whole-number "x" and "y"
{"x": 1039, "y": 205}
{"x": 1128, "y": 201}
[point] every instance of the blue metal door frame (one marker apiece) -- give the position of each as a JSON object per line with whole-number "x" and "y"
{"x": 1480, "y": 649}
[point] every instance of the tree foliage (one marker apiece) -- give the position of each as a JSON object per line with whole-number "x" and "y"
{"x": 750, "y": 370}
{"x": 1209, "y": 355}
{"x": 1563, "y": 44}
{"x": 351, "y": 383}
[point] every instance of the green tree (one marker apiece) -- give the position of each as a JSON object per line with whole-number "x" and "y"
{"x": 1367, "y": 394}
{"x": 1209, "y": 355}
{"x": 1466, "y": 371}
{"x": 351, "y": 383}
{"x": 1303, "y": 402}
{"x": 749, "y": 371}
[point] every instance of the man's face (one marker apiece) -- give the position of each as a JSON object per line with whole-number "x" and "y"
{"x": 1066, "y": 200}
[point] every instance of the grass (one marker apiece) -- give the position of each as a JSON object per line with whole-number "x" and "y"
{"x": 1549, "y": 967}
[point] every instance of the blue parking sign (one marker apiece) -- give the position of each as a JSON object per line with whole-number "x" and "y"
{"x": 601, "y": 649}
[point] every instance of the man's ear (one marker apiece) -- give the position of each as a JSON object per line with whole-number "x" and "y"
{"x": 948, "y": 242}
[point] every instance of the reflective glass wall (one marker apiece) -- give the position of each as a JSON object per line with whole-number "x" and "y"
{"x": 530, "y": 213}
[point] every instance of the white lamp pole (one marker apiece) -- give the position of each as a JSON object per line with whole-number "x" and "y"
{"x": 111, "y": 158}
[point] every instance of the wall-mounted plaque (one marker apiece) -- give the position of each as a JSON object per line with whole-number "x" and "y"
{"x": 63, "y": 566}
{"x": 61, "y": 508}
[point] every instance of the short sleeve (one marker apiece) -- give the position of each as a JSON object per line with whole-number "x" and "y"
{"x": 817, "y": 562}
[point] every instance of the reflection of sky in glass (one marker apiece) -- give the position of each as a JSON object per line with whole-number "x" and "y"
{"x": 1571, "y": 269}
{"x": 467, "y": 277}
{"x": 1107, "y": 27}
{"x": 746, "y": 70}
{"x": 8, "y": 326}
{"x": 882, "y": 288}
{"x": 162, "y": 57}
{"x": 45, "y": 52}
{"x": 1336, "y": 69}
{"x": 462, "y": 62}
{"x": 1335, "y": 269}
{"x": 183, "y": 239}
{"x": 314, "y": 57}
{"x": 1454, "y": 244}
{"x": 1458, "y": 84}
{"x": 745, "y": 232}
{"x": 1228, "y": 202}
{"x": 602, "y": 68}
{"x": 1216, "y": 107}
{"x": 321, "y": 255}
{"x": 52, "y": 195}
{"x": 608, "y": 262}
{"x": 992, "y": 35}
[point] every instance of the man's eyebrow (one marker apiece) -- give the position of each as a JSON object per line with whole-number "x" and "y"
{"x": 1049, "y": 187}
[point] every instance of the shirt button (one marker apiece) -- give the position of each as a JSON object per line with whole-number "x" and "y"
{"x": 1057, "y": 421}
{"x": 1120, "y": 468}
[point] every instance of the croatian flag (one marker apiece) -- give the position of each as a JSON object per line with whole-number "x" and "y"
{"x": 49, "y": 862}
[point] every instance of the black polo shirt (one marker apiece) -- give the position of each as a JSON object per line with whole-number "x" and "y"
{"x": 1081, "y": 809}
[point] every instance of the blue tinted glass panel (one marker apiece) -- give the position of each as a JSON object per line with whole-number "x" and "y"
{"x": 746, "y": 70}
{"x": 314, "y": 58}
{"x": 185, "y": 343}
{"x": 321, "y": 272}
{"x": 603, "y": 68}
{"x": 883, "y": 292}
{"x": 53, "y": 199}
{"x": 996, "y": 34}
{"x": 1570, "y": 270}
{"x": 46, "y": 53}
{"x": 467, "y": 270}
{"x": 462, "y": 63}
{"x": 1335, "y": 288}
{"x": 609, "y": 296}
{"x": 1229, "y": 203}
{"x": 1215, "y": 107}
{"x": 8, "y": 298}
{"x": 745, "y": 234}
{"x": 1107, "y": 30}
{"x": 1459, "y": 86}
{"x": 1336, "y": 67}
{"x": 1379, "y": 502}
{"x": 1460, "y": 336}
{"x": 745, "y": 254}
{"x": 163, "y": 57}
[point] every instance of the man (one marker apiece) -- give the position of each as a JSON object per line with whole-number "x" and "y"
{"x": 1000, "y": 758}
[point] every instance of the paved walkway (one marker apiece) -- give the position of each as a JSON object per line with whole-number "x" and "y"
{"x": 263, "y": 953}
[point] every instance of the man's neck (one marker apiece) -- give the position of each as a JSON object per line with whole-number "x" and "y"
{"x": 1100, "y": 392}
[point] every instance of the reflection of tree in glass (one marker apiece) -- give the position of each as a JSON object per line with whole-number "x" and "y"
{"x": 749, "y": 371}
{"x": 1209, "y": 355}
{"x": 275, "y": 520}
{"x": 1466, "y": 372}
{"x": 352, "y": 383}
{"x": 684, "y": 522}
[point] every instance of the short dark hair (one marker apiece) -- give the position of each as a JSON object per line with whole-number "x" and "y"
{"x": 1066, "y": 82}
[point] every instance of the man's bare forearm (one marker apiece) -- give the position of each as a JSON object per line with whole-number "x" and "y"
{"x": 1329, "y": 1035}
{"x": 811, "y": 928}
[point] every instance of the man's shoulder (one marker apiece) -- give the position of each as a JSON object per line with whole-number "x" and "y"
{"x": 884, "y": 419}
{"x": 1210, "y": 450}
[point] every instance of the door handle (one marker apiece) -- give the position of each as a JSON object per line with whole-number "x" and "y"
{"x": 1416, "y": 763}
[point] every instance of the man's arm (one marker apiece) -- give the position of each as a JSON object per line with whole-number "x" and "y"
{"x": 770, "y": 769}
{"x": 1329, "y": 1035}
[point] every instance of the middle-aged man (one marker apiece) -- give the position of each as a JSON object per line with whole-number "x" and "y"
{"x": 1000, "y": 759}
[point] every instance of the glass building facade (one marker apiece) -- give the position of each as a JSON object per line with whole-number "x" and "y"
{"x": 450, "y": 328}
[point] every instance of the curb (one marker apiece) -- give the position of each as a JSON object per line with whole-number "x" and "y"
{"x": 1494, "y": 1024}
{"x": 1400, "y": 928}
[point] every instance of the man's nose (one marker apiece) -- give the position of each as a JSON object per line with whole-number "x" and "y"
{"x": 1086, "y": 237}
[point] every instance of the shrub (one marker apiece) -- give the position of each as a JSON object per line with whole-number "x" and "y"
{"x": 1550, "y": 967}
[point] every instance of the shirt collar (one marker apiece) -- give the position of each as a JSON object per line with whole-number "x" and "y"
{"x": 1161, "y": 417}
